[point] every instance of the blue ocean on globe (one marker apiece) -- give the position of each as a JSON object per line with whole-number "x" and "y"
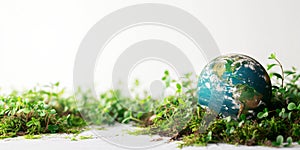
{"x": 234, "y": 84}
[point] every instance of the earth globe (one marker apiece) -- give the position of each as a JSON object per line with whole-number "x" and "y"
{"x": 234, "y": 84}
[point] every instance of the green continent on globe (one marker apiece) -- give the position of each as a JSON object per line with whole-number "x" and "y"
{"x": 234, "y": 84}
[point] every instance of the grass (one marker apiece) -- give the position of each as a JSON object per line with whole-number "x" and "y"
{"x": 37, "y": 111}
{"x": 47, "y": 109}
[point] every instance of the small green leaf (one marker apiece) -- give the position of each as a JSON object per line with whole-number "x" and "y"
{"x": 231, "y": 130}
{"x": 243, "y": 117}
{"x": 139, "y": 115}
{"x": 136, "y": 82}
{"x": 289, "y": 140}
{"x": 241, "y": 123}
{"x": 272, "y": 56}
{"x": 56, "y": 84}
{"x": 181, "y": 102}
{"x": 28, "y": 124}
{"x": 52, "y": 111}
{"x": 279, "y": 139}
{"x": 74, "y": 139}
{"x": 167, "y": 72}
{"x": 209, "y": 136}
{"x": 178, "y": 86}
{"x": 127, "y": 114}
{"x": 289, "y": 73}
{"x": 276, "y": 75}
{"x": 290, "y": 115}
{"x": 261, "y": 115}
{"x": 270, "y": 66}
{"x": 291, "y": 106}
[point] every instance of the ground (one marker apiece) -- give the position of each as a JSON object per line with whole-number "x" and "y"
{"x": 106, "y": 139}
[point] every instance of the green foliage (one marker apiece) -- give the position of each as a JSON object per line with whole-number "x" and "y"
{"x": 36, "y": 111}
{"x": 273, "y": 126}
{"x": 263, "y": 114}
{"x": 178, "y": 115}
{"x": 112, "y": 107}
{"x": 277, "y": 125}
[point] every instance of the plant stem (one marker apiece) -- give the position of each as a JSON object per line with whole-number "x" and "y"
{"x": 282, "y": 72}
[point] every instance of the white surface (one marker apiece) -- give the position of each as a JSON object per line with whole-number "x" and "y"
{"x": 60, "y": 142}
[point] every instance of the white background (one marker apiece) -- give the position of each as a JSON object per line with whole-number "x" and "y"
{"x": 39, "y": 39}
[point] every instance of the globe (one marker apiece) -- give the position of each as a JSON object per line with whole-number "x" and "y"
{"x": 234, "y": 84}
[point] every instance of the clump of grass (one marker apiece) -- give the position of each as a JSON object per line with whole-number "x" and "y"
{"x": 39, "y": 110}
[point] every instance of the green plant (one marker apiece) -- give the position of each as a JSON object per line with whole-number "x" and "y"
{"x": 46, "y": 109}
{"x": 274, "y": 124}
{"x": 281, "y": 120}
{"x": 37, "y": 111}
